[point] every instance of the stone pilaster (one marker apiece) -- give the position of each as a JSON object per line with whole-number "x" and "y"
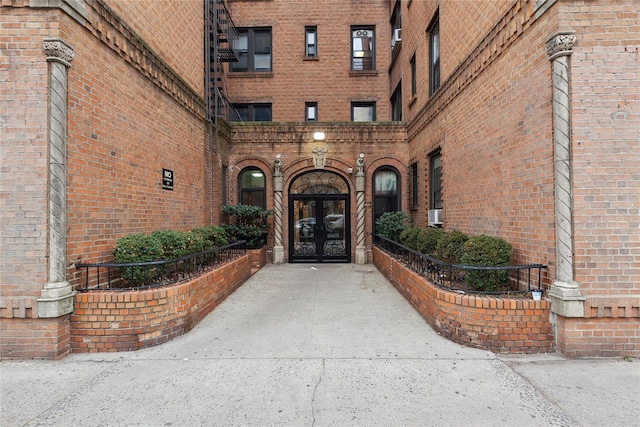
{"x": 565, "y": 294}
{"x": 278, "y": 248}
{"x": 361, "y": 249}
{"x": 57, "y": 296}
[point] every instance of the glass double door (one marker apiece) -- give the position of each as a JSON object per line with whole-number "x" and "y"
{"x": 319, "y": 229}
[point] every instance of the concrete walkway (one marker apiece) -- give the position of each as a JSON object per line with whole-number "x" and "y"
{"x": 321, "y": 345}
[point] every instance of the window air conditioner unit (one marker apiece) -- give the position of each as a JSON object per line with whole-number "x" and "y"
{"x": 397, "y": 36}
{"x": 435, "y": 216}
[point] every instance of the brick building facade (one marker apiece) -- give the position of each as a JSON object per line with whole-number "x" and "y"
{"x": 512, "y": 118}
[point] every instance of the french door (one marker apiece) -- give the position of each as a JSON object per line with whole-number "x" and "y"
{"x": 319, "y": 229}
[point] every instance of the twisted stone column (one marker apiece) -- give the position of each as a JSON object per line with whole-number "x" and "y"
{"x": 361, "y": 249}
{"x": 278, "y": 248}
{"x": 57, "y": 296}
{"x": 564, "y": 294}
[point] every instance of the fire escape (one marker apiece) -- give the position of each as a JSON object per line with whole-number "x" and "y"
{"x": 220, "y": 34}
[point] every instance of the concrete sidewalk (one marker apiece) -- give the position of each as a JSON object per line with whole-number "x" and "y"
{"x": 321, "y": 345}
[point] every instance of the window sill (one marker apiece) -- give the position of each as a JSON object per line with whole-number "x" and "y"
{"x": 363, "y": 73}
{"x": 310, "y": 58}
{"x": 413, "y": 100}
{"x": 250, "y": 74}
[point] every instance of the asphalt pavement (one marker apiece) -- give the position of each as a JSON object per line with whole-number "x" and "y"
{"x": 318, "y": 345}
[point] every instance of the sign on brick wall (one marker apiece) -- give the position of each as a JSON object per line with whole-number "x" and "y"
{"x": 167, "y": 179}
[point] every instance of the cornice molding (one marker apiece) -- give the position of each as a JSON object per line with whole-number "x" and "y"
{"x": 336, "y": 133}
{"x": 105, "y": 25}
{"x": 76, "y": 9}
{"x": 510, "y": 27}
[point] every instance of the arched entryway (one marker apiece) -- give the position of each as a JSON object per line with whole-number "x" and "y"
{"x": 319, "y": 218}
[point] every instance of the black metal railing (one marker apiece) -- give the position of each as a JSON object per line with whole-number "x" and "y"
{"x": 143, "y": 275}
{"x": 512, "y": 279}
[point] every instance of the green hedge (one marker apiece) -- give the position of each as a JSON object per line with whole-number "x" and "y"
{"x": 138, "y": 248}
{"x": 212, "y": 236}
{"x": 455, "y": 247}
{"x": 163, "y": 245}
{"x": 421, "y": 239}
{"x": 449, "y": 247}
{"x": 249, "y": 223}
{"x": 391, "y": 225}
{"x": 486, "y": 251}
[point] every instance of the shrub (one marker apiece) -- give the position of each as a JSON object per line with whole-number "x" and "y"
{"x": 391, "y": 224}
{"x": 486, "y": 251}
{"x": 411, "y": 237}
{"x": 449, "y": 247}
{"x": 173, "y": 243}
{"x": 430, "y": 239}
{"x": 212, "y": 236}
{"x": 421, "y": 239}
{"x": 137, "y": 248}
{"x": 250, "y": 224}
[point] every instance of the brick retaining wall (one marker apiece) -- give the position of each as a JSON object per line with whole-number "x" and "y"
{"x": 500, "y": 325}
{"x": 108, "y": 321}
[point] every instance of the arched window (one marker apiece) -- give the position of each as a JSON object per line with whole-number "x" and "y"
{"x": 386, "y": 188}
{"x": 251, "y": 183}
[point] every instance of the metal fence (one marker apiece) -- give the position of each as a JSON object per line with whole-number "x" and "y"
{"x": 143, "y": 275}
{"x": 512, "y": 279}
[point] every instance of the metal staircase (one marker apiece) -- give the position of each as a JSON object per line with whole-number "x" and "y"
{"x": 220, "y": 34}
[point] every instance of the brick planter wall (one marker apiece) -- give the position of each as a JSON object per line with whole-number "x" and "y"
{"x": 108, "y": 321}
{"x": 500, "y": 325}
{"x": 258, "y": 258}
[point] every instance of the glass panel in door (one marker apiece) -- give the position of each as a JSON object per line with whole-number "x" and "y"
{"x": 334, "y": 243}
{"x": 304, "y": 229}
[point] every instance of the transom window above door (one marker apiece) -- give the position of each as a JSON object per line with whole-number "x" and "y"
{"x": 319, "y": 182}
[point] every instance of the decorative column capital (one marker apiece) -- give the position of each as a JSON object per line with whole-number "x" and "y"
{"x": 58, "y": 50}
{"x": 560, "y": 44}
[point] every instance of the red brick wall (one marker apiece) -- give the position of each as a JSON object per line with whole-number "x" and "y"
{"x": 606, "y": 151}
{"x": 257, "y": 145}
{"x": 123, "y": 130}
{"x": 129, "y": 116}
{"x": 108, "y": 321}
{"x": 24, "y": 173}
{"x": 492, "y": 122}
{"x": 327, "y": 80}
{"x": 599, "y": 337}
{"x": 492, "y": 119}
{"x": 500, "y": 325}
{"x": 173, "y": 29}
{"x": 33, "y": 338}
